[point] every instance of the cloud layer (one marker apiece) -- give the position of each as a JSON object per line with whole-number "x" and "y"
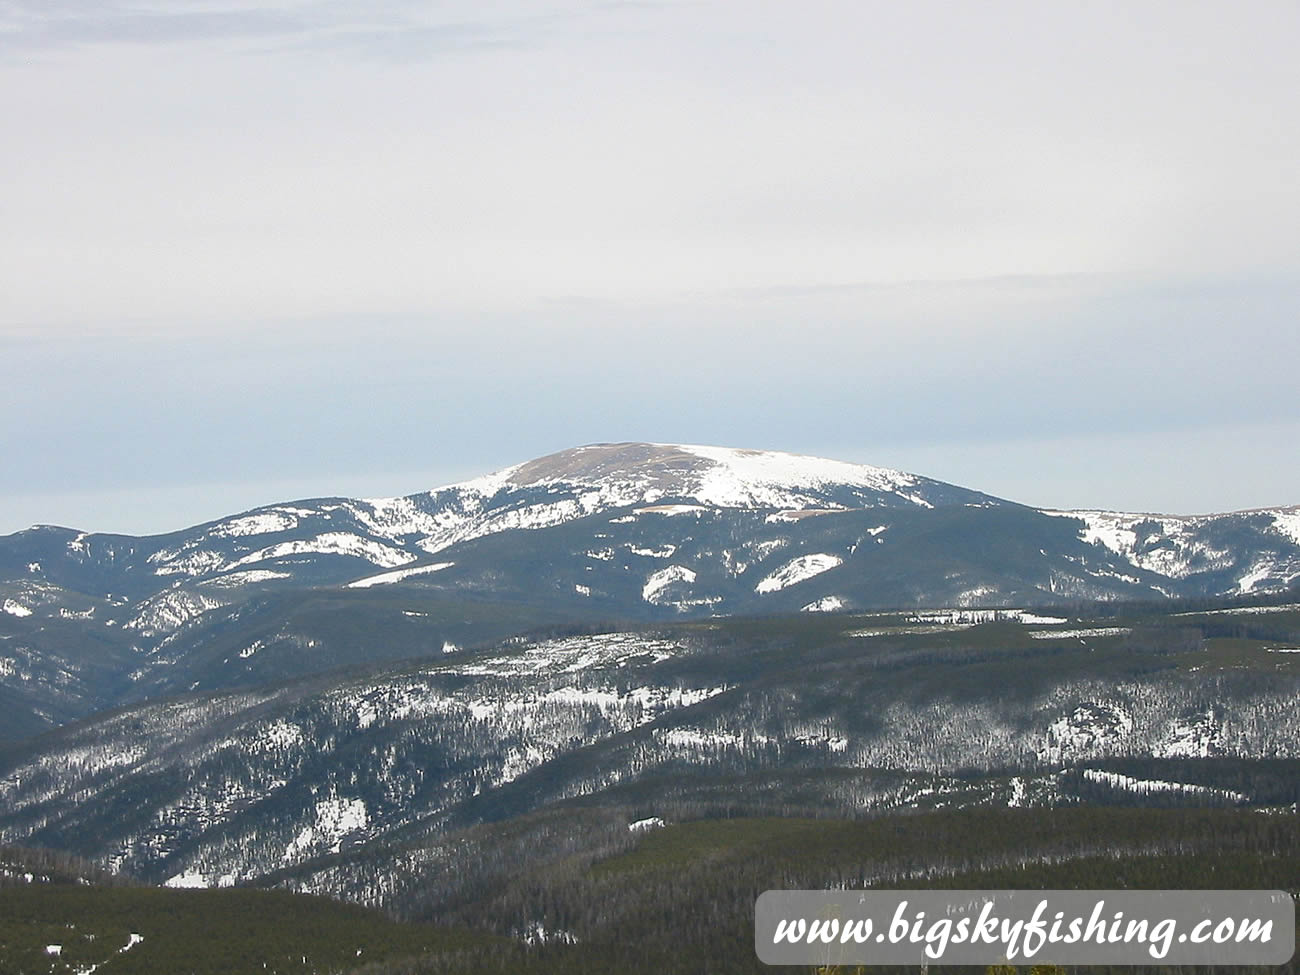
{"x": 265, "y": 241}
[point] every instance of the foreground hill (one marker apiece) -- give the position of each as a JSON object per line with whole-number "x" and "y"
{"x": 632, "y": 532}
{"x": 132, "y": 930}
{"x": 573, "y": 891}
{"x": 834, "y": 713}
{"x": 680, "y": 897}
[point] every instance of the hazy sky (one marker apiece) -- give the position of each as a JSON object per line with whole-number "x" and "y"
{"x": 254, "y": 251}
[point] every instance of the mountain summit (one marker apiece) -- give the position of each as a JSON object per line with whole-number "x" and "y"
{"x": 603, "y": 477}
{"x": 723, "y": 477}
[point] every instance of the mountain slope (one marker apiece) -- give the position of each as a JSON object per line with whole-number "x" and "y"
{"x": 394, "y": 532}
{"x": 833, "y": 712}
{"x": 170, "y": 578}
{"x": 608, "y": 531}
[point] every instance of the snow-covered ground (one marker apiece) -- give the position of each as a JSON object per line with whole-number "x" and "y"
{"x": 827, "y": 604}
{"x": 797, "y": 570}
{"x": 1080, "y": 634}
{"x": 397, "y": 575}
{"x": 1150, "y": 786}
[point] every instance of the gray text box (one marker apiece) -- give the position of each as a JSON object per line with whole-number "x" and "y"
{"x": 1064, "y": 927}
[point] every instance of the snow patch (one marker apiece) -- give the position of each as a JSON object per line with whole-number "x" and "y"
{"x": 695, "y": 739}
{"x": 332, "y": 543}
{"x": 1019, "y": 793}
{"x": 797, "y": 570}
{"x": 962, "y": 615}
{"x": 384, "y": 578}
{"x": 394, "y": 518}
{"x": 827, "y": 604}
{"x": 195, "y": 564}
{"x": 247, "y": 577}
{"x": 1149, "y": 786}
{"x": 1288, "y": 523}
{"x": 1190, "y": 737}
{"x": 795, "y": 515}
{"x": 671, "y": 509}
{"x": 171, "y": 610}
{"x": 262, "y": 523}
{"x": 282, "y": 736}
{"x": 1091, "y": 728}
{"x": 366, "y": 714}
{"x": 538, "y": 934}
{"x": 1244, "y": 610}
{"x": 1257, "y": 574}
{"x": 580, "y": 653}
{"x": 190, "y": 879}
{"x": 663, "y": 552}
{"x": 1080, "y": 634}
{"x": 335, "y": 819}
{"x": 761, "y": 550}
{"x": 772, "y": 479}
{"x": 1165, "y": 544}
{"x": 910, "y": 630}
{"x": 657, "y": 582}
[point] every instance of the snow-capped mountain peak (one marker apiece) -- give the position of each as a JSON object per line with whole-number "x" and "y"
{"x": 624, "y": 474}
{"x": 595, "y": 478}
{"x": 723, "y": 477}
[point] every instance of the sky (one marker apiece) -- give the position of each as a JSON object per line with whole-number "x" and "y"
{"x": 258, "y": 251}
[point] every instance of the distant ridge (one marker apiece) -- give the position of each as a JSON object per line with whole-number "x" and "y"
{"x": 625, "y": 531}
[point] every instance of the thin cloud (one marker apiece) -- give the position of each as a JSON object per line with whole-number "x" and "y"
{"x": 395, "y": 29}
{"x": 29, "y": 27}
{"x": 404, "y": 42}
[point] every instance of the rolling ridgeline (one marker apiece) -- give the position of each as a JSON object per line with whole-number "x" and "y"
{"x": 577, "y": 715}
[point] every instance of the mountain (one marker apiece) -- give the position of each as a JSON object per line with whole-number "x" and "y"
{"x": 469, "y": 705}
{"x": 633, "y": 532}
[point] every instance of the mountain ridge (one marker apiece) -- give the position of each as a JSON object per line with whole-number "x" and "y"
{"x": 535, "y": 474}
{"x": 336, "y": 540}
{"x": 624, "y": 531}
